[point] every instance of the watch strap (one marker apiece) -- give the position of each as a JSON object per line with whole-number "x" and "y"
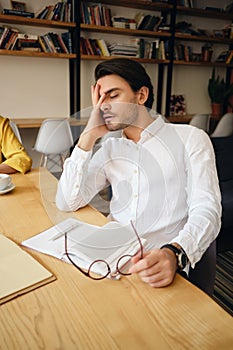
{"x": 181, "y": 256}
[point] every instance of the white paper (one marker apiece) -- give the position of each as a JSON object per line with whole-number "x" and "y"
{"x": 86, "y": 242}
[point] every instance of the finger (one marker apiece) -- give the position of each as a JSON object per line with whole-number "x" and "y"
{"x": 149, "y": 260}
{"x": 137, "y": 257}
{"x": 95, "y": 89}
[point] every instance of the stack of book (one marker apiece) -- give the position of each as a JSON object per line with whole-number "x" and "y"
{"x": 123, "y": 50}
{"x": 27, "y": 42}
{"x": 95, "y": 14}
{"x": 12, "y": 39}
{"x": 61, "y": 11}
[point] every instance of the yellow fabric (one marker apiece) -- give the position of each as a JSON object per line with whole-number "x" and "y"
{"x": 12, "y": 152}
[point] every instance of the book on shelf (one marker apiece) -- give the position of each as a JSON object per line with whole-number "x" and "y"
{"x": 20, "y": 273}
{"x": 123, "y": 22}
{"x": 60, "y": 11}
{"x": 27, "y": 42}
{"x": 67, "y": 39}
{"x": 229, "y": 58}
{"x": 103, "y": 47}
{"x": 177, "y": 105}
{"x": 95, "y": 14}
{"x": 8, "y": 37}
{"x": 223, "y": 56}
{"x": 128, "y": 50}
{"x": 12, "y": 12}
{"x": 148, "y": 22}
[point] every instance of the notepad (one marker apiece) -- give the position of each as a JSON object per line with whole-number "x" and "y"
{"x": 87, "y": 242}
{"x": 19, "y": 271}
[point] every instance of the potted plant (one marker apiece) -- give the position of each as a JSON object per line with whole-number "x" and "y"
{"x": 219, "y": 92}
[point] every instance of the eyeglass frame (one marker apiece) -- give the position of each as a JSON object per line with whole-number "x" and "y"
{"x": 87, "y": 273}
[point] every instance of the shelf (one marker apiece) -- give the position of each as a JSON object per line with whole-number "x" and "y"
{"x": 204, "y": 13}
{"x": 36, "y": 22}
{"x": 203, "y": 64}
{"x": 185, "y": 119}
{"x": 140, "y": 4}
{"x": 189, "y": 37}
{"x": 36, "y": 54}
{"x": 142, "y": 60}
{"x": 122, "y": 31}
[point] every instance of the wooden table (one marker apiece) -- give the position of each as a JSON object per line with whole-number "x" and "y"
{"x": 28, "y": 123}
{"x": 75, "y": 312}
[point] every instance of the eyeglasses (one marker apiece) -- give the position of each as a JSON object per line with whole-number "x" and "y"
{"x": 103, "y": 264}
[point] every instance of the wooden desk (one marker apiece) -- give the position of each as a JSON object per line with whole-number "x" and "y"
{"x": 28, "y": 123}
{"x": 75, "y": 312}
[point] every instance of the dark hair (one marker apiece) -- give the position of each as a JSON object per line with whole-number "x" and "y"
{"x": 132, "y": 71}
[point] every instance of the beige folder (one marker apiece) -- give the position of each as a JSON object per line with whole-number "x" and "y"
{"x": 19, "y": 271}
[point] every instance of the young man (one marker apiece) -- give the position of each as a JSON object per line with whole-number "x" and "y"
{"x": 13, "y": 156}
{"x": 163, "y": 176}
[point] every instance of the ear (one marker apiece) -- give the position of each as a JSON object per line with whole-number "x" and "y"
{"x": 143, "y": 94}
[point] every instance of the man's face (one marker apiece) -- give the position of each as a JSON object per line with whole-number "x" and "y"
{"x": 120, "y": 106}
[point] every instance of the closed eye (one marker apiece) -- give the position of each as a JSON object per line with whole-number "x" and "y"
{"x": 113, "y": 96}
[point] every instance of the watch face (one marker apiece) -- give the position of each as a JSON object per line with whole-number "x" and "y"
{"x": 183, "y": 260}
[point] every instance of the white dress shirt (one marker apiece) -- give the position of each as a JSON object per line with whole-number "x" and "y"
{"x": 166, "y": 183}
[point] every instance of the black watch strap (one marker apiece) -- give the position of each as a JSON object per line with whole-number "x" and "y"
{"x": 181, "y": 256}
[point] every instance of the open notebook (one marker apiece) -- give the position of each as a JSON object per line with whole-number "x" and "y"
{"x": 87, "y": 243}
{"x": 19, "y": 271}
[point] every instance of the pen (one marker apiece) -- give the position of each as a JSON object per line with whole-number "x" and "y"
{"x": 60, "y": 234}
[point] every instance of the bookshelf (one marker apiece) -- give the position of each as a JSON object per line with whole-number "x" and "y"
{"x": 156, "y": 9}
{"x": 203, "y": 17}
{"x": 57, "y": 27}
{"x": 171, "y": 10}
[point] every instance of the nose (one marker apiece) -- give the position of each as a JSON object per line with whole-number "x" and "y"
{"x": 105, "y": 107}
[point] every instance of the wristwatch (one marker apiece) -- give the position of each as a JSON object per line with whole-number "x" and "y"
{"x": 182, "y": 259}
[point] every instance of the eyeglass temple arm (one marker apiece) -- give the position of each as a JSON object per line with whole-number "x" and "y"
{"x": 67, "y": 254}
{"x": 139, "y": 239}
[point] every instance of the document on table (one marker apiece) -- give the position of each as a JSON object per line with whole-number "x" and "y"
{"x": 19, "y": 271}
{"x": 86, "y": 242}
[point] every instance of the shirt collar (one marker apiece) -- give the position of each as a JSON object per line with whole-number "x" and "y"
{"x": 152, "y": 128}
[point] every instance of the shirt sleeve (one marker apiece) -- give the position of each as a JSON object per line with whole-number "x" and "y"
{"x": 12, "y": 150}
{"x": 204, "y": 198}
{"x": 82, "y": 178}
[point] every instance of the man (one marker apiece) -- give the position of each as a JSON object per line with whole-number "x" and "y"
{"x": 13, "y": 156}
{"x": 163, "y": 176}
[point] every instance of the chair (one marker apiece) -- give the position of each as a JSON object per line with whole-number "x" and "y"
{"x": 201, "y": 121}
{"x": 54, "y": 138}
{"x": 203, "y": 275}
{"x": 223, "y": 148}
{"x": 224, "y": 127}
{"x": 16, "y": 131}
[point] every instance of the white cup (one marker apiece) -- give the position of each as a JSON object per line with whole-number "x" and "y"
{"x": 5, "y": 181}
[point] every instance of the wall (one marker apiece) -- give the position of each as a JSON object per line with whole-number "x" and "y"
{"x": 33, "y": 87}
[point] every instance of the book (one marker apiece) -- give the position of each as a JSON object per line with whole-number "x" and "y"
{"x": 18, "y": 13}
{"x": 20, "y": 272}
{"x": 87, "y": 243}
